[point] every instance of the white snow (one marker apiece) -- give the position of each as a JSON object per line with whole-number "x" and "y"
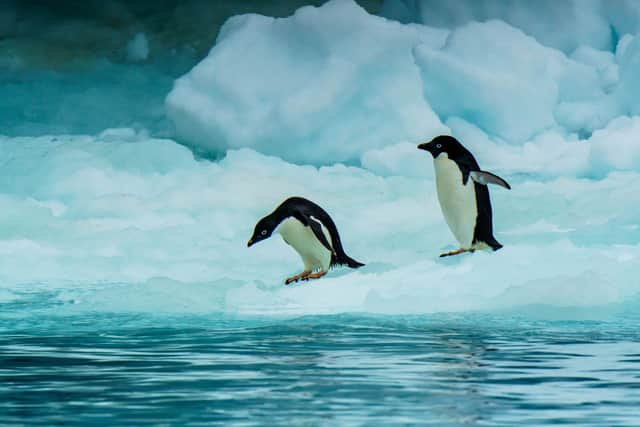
{"x": 561, "y": 24}
{"x": 335, "y": 83}
{"x": 320, "y": 86}
{"x": 132, "y": 223}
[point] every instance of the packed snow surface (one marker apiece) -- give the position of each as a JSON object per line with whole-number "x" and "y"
{"x": 125, "y": 222}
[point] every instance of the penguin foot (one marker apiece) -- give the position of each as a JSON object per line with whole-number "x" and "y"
{"x": 317, "y": 275}
{"x": 457, "y": 252}
{"x": 301, "y": 276}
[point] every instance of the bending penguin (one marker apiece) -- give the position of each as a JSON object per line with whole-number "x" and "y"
{"x": 310, "y": 231}
{"x": 463, "y": 194}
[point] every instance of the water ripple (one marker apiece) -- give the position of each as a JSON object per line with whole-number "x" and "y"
{"x": 337, "y": 370}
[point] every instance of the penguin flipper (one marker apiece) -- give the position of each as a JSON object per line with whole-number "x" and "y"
{"x": 316, "y": 227}
{"x": 485, "y": 178}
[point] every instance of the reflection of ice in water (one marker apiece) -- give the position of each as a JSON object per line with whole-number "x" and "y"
{"x": 554, "y": 378}
{"x": 389, "y": 370}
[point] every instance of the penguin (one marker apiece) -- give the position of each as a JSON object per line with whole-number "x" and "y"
{"x": 463, "y": 194}
{"x": 310, "y": 231}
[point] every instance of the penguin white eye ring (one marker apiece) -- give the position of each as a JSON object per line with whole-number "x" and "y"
{"x": 463, "y": 194}
{"x": 310, "y": 230}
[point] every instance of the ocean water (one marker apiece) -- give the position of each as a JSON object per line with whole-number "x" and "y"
{"x": 352, "y": 369}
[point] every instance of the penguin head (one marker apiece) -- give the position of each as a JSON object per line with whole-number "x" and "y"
{"x": 263, "y": 230}
{"x": 443, "y": 144}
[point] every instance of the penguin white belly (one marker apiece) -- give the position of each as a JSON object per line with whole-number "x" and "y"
{"x": 457, "y": 201}
{"x": 300, "y": 237}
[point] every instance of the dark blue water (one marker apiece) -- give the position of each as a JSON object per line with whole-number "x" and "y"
{"x": 445, "y": 370}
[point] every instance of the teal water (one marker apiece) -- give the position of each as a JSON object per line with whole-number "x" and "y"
{"x": 445, "y": 370}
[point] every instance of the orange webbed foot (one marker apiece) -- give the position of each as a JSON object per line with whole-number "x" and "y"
{"x": 297, "y": 277}
{"x": 317, "y": 275}
{"x": 456, "y": 252}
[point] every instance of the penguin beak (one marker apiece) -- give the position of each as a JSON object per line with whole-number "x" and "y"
{"x": 425, "y": 146}
{"x": 250, "y": 242}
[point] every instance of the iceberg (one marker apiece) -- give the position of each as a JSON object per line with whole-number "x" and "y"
{"x": 321, "y": 86}
{"x": 628, "y": 91}
{"x": 565, "y": 25}
{"x": 337, "y": 84}
{"x": 483, "y": 76}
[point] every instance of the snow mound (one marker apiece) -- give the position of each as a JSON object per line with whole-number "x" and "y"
{"x": 320, "y": 86}
{"x": 336, "y": 84}
{"x": 561, "y": 24}
{"x": 505, "y": 82}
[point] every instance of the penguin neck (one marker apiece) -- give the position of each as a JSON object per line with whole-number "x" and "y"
{"x": 441, "y": 156}
{"x": 439, "y": 163}
{"x": 278, "y": 216}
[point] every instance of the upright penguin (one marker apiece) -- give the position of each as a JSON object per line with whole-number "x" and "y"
{"x": 465, "y": 202}
{"x": 310, "y": 231}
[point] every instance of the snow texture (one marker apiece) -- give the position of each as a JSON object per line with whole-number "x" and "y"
{"x": 336, "y": 83}
{"x": 317, "y": 87}
{"x": 562, "y": 24}
{"x": 124, "y": 222}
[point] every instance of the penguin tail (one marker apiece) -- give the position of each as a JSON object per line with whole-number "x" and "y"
{"x": 494, "y": 244}
{"x": 344, "y": 259}
{"x": 352, "y": 263}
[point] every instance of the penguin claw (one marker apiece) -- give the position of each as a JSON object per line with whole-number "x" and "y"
{"x": 297, "y": 277}
{"x": 317, "y": 275}
{"x": 305, "y": 275}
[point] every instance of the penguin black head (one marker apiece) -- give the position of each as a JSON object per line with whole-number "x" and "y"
{"x": 263, "y": 229}
{"x": 444, "y": 144}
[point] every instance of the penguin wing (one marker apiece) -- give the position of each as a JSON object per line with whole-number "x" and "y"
{"x": 467, "y": 164}
{"x": 316, "y": 227}
{"x": 484, "y": 178}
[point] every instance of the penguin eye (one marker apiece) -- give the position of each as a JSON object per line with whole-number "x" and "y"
{"x": 438, "y": 145}
{"x": 264, "y": 232}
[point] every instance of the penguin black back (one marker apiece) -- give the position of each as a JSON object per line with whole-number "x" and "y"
{"x": 484, "y": 224}
{"x": 295, "y": 205}
{"x": 305, "y": 211}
